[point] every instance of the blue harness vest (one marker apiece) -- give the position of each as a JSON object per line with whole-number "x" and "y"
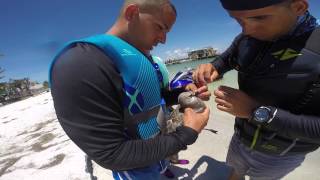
{"x": 141, "y": 84}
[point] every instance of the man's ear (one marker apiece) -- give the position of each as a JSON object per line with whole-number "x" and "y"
{"x": 300, "y": 6}
{"x": 131, "y": 11}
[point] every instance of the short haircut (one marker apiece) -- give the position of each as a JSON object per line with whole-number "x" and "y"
{"x": 147, "y": 5}
{"x": 286, "y": 3}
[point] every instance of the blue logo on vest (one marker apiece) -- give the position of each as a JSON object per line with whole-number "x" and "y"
{"x": 133, "y": 100}
{"x": 126, "y": 52}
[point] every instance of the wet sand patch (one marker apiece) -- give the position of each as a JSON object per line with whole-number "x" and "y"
{"x": 55, "y": 161}
{"x": 35, "y": 135}
{"x": 30, "y": 165}
{"x": 22, "y": 133}
{"x": 13, "y": 119}
{"x": 47, "y": 137}
{"x": 41, "y": 125}
{"x": 38, "y": 146}
{"x": 7, "y": 164}
{"x": 11, "y": 151}
{"x": 23, "y": 109}
{"x": 5, "y": 117}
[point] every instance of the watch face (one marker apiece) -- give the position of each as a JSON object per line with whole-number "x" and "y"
{"x": 262, "y": 114}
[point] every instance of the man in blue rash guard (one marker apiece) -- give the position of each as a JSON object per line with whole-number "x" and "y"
{"x": 107, "y": 94}
{"x": 277, "y": 57}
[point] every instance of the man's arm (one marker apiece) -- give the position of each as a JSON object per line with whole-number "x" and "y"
{"x": 87, "y": 94}
{"x": 207, "y": 73}
{"x": 304, "y": 127}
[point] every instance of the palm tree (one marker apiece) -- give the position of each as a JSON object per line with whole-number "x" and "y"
{"x": 1, "y": 69}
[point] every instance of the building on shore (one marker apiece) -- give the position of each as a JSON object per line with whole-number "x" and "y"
{"x": 17, "y": 89}
{"x": 175, "y": 61}
{"x": 194, "y": 55}
{"x": 202, "y": 53}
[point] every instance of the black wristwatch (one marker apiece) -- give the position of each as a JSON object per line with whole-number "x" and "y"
{"x": 263, "y": 115}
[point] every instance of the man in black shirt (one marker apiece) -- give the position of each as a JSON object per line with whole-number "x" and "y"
{"x": 89, "y": 93}
{"x": 277, "y": 57}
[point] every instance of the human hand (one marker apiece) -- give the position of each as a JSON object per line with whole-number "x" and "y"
{"x": 202, "y": 92}
{"x": 235, "y": 102}
{"x": 196, "y": 121}
{"x": 205, "y": 73}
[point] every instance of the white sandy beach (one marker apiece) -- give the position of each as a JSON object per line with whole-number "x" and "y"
{"x": 34, "y": 147}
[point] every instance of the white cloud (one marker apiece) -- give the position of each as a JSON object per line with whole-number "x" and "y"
{"x": 178, "y": 53}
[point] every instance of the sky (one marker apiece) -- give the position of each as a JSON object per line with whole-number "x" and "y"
{"x": 32, "y": 31}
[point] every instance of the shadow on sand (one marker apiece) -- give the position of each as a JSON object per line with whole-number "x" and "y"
{"x": 215, "y": 170}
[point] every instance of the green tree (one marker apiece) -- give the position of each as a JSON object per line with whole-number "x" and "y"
{"x": 45, "y": 84}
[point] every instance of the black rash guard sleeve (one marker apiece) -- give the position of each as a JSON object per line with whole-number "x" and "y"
{"x": 87, "y": 93}
{"x": 303, "y": 127}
